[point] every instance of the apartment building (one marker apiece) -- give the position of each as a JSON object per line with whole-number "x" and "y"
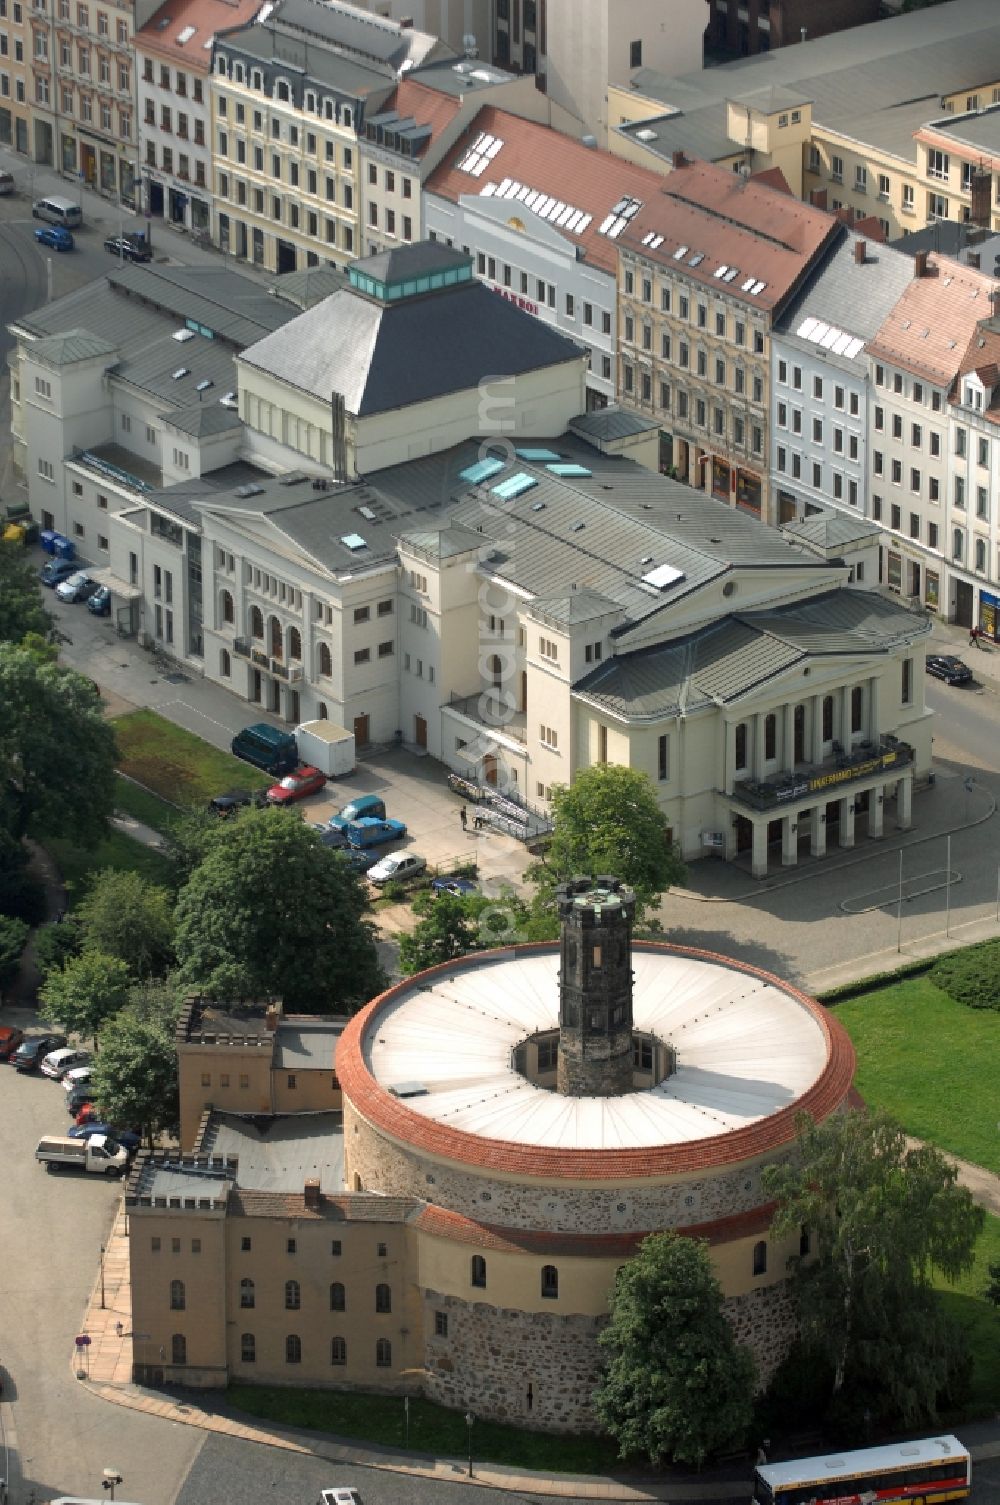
{"x": 698, "y": 295}
{"x": 16, "y": 51}
{"x": 82, "y": 93}
{"x": 537, "y": 211}
{"x": 820, "y": 379}
{"x": 173, "y": 70}
{"x": 576, "y": 49}
{"x": 871, "y": 91}
{"x": 929, "y": 494}
{"x": 764, "y": 25}
{"x": 289, "y": 98}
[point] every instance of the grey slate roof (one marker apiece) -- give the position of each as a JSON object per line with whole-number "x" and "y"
{"x": 358, "y": 31}
{"x": 612, "y": 423}
{"x": 699, "y": 131}
{"x": 735, "y": 655}
{"x": 952, "y": 238}
{"x": 310, "y": 285}
{"x": 462, "y": 76}
{"x": 852, "y": 298}
{"x": 73, "y": 346}
{"x": 202, "y": 419}
{"x": 831, "y": 530}
{"x": 445, "y": 543}
{"x": 979, "y": 129}
{"x": 280, "y": 1153}
{"x": 301, "y": 33}
{"x": 307, "y": 1044}
{"x": 414, "y": 260}
{"x": 578, "y": 606}
{"x": 232, "y": 306}
{"x": 383, "y": 357}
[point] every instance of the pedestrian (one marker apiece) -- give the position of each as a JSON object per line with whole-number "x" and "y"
{"x": 464, "y": 818}
{"x": 119, "y": 1329}
{"x": 974, "y": 637}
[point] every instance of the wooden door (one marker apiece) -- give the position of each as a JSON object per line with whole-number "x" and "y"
{"x": 361, "y": 731}
{"x": 420, "y": 731}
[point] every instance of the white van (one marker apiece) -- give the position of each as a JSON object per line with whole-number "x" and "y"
{"x": 58, "y": 211}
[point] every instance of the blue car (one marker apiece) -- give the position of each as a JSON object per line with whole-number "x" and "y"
{"x": 452, "y": 884}
{"x": 127, "y": 1138}
{"x": 57, "y": 570}
{"x": 369, "y": 832}
{"x": 100, "y": 602}
{"x": 55, "y": 236}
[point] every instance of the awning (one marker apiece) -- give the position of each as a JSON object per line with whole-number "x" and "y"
{"x": 117, "y": 587}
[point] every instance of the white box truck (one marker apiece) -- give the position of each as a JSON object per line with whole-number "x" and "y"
{"x": 326, "y": 746}
{"x": 99, "y": 1154}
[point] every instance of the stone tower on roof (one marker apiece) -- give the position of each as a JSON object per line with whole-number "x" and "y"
{"x": 595, "y": 987}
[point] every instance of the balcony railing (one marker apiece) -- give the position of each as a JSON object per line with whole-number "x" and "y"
{"x": 242, "y": 647}
{"x": 888, "y": 755}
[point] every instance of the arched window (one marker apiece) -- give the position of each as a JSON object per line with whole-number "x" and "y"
{"x": 228, "y": 607}
{"x": 177, "y": 1301}
{"x": 550, "y": 1282}
{"x": 248, "y": 1348}
{"x": 321, "y": 712}
{"x": 325, "y": 660}
{"x": 276, "y": 636}
{"x": 294, "y": 643}
{"x": 383, "y": 1298}
{"x": 383, "y": 1354}
{"x": 247, "y": 1296}
{"x": 225, "y": 664}
{"x": 178, "y": 1349}
{"x": 256, "y": 622}
{"x": 293, "y": 1298}
{"x": 760, "y": 1257}
{"x": 293, "y": 1349}
{"x": 957, "y": 543}
{"x": 338, "y": 1297}
{"x": 479, "y": 1271}
{"x": 338, "y": 1351}
{"x": 980, "y": 554}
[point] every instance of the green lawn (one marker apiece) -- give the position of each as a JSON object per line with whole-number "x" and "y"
{"x": 148, "y": 808}
{"x": 928, "y": 1061}
{"x": 964, "y": 1301}
{"x": 177, "y": 765}
{"x": 380, "y": 1419}
{"x": 77, "y": 865}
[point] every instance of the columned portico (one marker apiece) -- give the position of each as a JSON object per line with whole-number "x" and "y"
{"x": 790, "y": 840}
{"x": 817, "y": 831}
{"x": 845, "y": 825}
{"x": 904, "y": 804}
{"x": 876, "y": 807}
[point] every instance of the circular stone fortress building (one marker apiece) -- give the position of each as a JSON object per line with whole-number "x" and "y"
{"x": 554, "y": 1104}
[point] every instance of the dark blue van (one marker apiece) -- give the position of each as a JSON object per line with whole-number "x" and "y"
{"x": 267, "y": 747}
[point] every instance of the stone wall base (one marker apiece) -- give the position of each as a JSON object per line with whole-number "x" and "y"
{"x": 764, "y": 1321}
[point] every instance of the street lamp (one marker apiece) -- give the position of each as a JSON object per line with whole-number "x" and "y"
{"x": 111, "y": 1478}
{"x": 469, "y": 1419}
{"x": 406, "y": 1421}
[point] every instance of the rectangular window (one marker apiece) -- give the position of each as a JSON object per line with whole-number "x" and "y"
{"x": 663, "y": 758}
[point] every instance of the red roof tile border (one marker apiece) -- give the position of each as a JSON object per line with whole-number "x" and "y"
{"x": 442, "y": 1223}
{"x": 393, "y": 1118}
{"x": 208, "y": 17}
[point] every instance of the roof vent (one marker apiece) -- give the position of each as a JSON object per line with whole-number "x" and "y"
{"x": 662, "y": 576}
{"x": 204, "y": 385}
{"x": 181, "y": 371}
{"x": 367, "y": 514}
{"x": 183, "y": 335}
{"x": 230, "y": 400}
{"x": 251, "y": 489}
{"x": 409, "y": 1089}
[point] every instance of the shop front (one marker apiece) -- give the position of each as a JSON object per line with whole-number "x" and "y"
{"x": 721, "y": 479}
{"x": 749, "y": 491}
{"x": 989, "y": 614}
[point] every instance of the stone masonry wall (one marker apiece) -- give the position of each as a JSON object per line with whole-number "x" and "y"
{"x": 764, "y": 1319}
{"x": 394, "y": 1170}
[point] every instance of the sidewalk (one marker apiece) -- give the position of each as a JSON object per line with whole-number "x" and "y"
{"x": 106, "y": 1366}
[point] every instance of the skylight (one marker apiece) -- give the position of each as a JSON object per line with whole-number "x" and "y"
{"x": 536, "y": 454}
{"x": 515, "y": 485}
{"x": 186, "y": 35}
{"x": 353, "y": 541}
{"x": 662, "y": 576}
{"x": 614, "y": 223}
{"x": 681, "y": 252}
{"x": 481, "y": 471}
{"x": 181, "y": 371}
{"x": 569, "y": 470}
{"x": 480, "y": 154}
{"x": 204, "y": 385}
{"x": 183, "y": 335}
{"x": 367, "y": 514}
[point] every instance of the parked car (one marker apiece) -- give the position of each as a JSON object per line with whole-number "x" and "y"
{"x": 236, "y": 799}
{"x": 58, "y": 1062}
{"x": 359, "y": 809}
{"x": 949, "y": 668}
{"x": 328, "y": 836}
{"x": 76, "y": 1099}
{"x": 129, "y": 247}
{"x": 56, "y": 237}
{"x": 33, "y": 1049}
{"x": 10, "y": 1039}
{"x": 127, "y": 1138}
{"x": 76, "y": 1076}
{"x": 342, "y": 1495}
{"x": 87, "y": 1112}
{"x": 369, "y": 832}
{"x": 100, "y": 602}
{"x": 398, "y": 867}
{"x": 358, "y": 859}
{"x": 453, "y": 883}
{"x": 56, "y": 570}
{"x": 7, "y": 184}
{"x": 295, "y": 786}
{"x": 77, "y": 587}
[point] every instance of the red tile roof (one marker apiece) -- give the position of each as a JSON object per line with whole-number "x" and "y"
{"x": 428, "y": 107}
{"x": 708, "y": 218}
{"x": 929, "y": 330}
{"x": 566, "y": 171}
{"x": 772, "y": 177}
{"x": 462, "y": 1230}
{"x": 206, "y": 16}
{"x": 400, "y": 1123}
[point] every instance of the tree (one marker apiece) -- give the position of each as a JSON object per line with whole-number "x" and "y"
{"x": 135, "y": 1076}
{"x": 57, "y": 753}
{"x": 21, "y": 610}
{"x": 125, "y": 915}
{"x": 85, "y": 993}
{"x": 22, "y": 894}
{"x": 270, "y": 911}
{"x": 992, "y": 1291}
{"x": 882, "y": 1217}
{"x": 13, "y": 939}
{"x": 54, "y": 945}
{"x": 676, "y": 1384}
{"x": 609, "y": 821}
{"x": 454, "y": 924}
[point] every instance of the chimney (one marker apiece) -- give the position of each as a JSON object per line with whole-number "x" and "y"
{"x": 272, "y": 1016}
{"x": 973, "y": 258}
{"x": 678, "y": 159}
{"x": 817, "y": 198}
{"x": 311, "y": 1193}
{"x": 920, "y": 264}
{"x": 859, "y": 252}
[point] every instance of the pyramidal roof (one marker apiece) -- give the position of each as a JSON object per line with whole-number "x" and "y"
{"x": 75, "y": 345}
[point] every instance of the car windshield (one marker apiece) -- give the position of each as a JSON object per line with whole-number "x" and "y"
{"x": 349, "y": 812}
{"x": 289, "y": 782}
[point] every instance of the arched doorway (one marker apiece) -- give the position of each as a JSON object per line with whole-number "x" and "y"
{"x": 490, "y": 769}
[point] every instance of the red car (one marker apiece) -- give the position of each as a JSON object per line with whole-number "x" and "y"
{"x": 295, "y": 786}
{"x": 10, "y": 1039}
